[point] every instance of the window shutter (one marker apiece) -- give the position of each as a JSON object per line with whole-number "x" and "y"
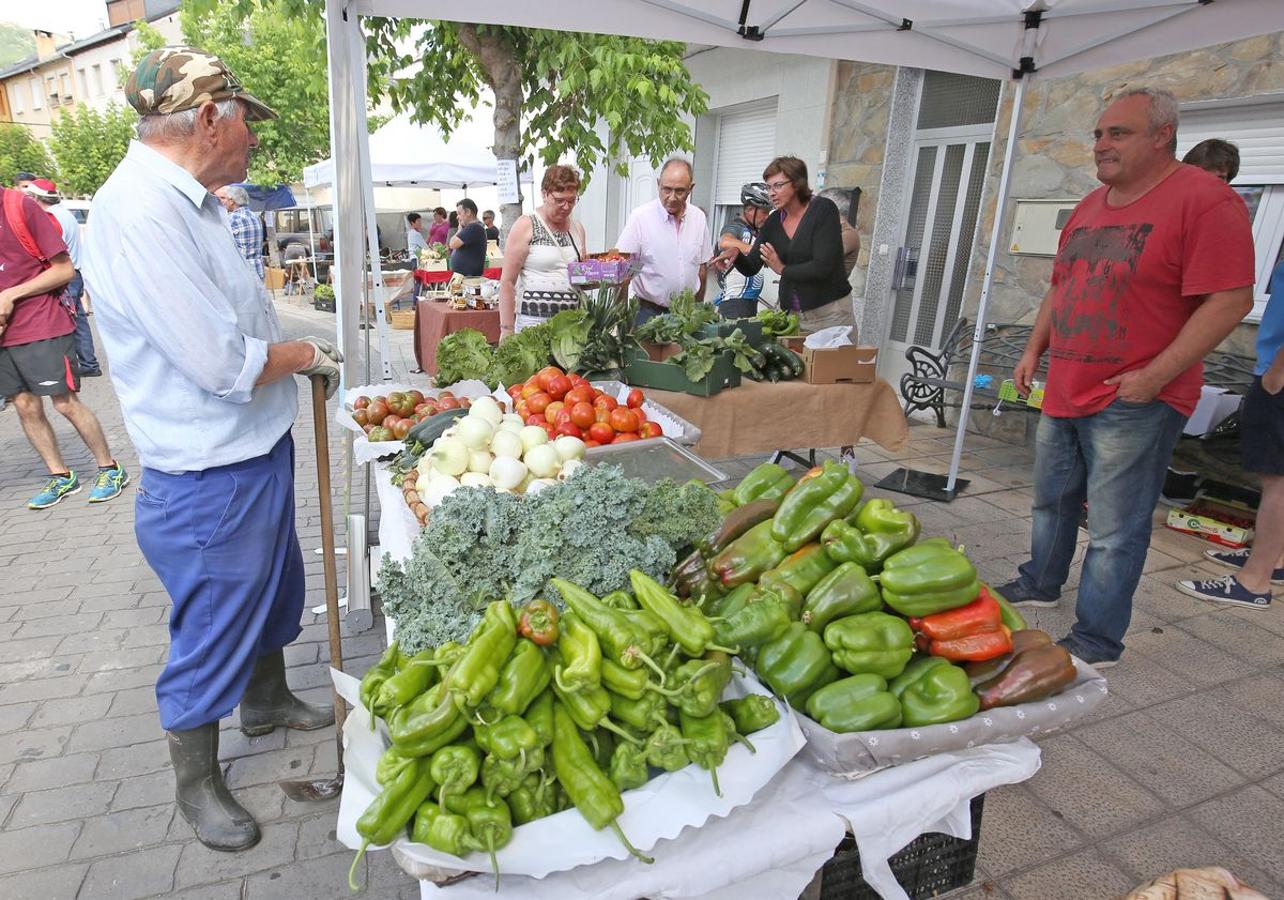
{"x": 746, "y": 143}
{"x": 1257, "y": 129}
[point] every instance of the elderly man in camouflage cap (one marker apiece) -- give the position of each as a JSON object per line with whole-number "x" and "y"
{"x": 203, "y": 375}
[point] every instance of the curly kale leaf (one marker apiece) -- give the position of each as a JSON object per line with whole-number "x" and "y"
{"x": 679, "y": 514}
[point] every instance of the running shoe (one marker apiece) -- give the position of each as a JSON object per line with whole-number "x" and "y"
{"x": 109, "y": 484}
{"x": 57, "y": 487}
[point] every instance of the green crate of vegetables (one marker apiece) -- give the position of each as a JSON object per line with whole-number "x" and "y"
{"x": 671, "y": 375}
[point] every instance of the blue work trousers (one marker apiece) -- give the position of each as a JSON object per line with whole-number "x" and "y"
{"x": 224, "y": 545}
{"x": 85, "y": 355}
{"x": 1116, "y": 460}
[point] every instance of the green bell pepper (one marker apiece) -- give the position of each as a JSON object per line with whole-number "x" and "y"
{"x": 666, "y": 749}
{"x": 533, "y": 799}
{"x": 707, "y": 741}
{"x": 1009, "y": 614}
{"x": 509, "y": 738}
{"x": 796, "y": 664}
{"x": 814, "y": 503}
{"x": 628, "y": 768}
{"x": 448, "y": 833}
{"x": 875, "y": 532}
{"x": 390, "y": 765}
{"x": 590, "y": 709}
{"x": 523, "y": 678}
{"x": 928, "y": 578}
{"x": 855, "y": 703}
{"x": 455, "y": 769}
{"x": 801, "y": 570}
{"x": 870, "y": 642}
{"x": 699, "y": 683}
{"x": 621, "y": 599}
{"x": 932, "y": 691}
{"x": 756, "y": 624}
{"x": 430, "y": 721}
{"x": 748, "y": 556}
{"x": 476, "y": 672}
{"x": 375, "y": 677}
{"x": 631, "y": 683}
{"x": 407, "y": 684}
{"x": 424, "y": 816}
{"x": 752, "y": 713}
{"x": 846, "y": 591}
{"x": 642, "y": 714}
{"x": 734, "y": 601}
{"x": 500, "y": 777}
{"x": 491, "y": 824}
{"x": 768, "y": 481}
{"x": 580, "y": 656}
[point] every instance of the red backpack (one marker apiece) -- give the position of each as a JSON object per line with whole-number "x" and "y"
{"x": 18, "y": 223}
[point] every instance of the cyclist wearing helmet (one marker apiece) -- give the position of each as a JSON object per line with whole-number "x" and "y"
{"x": 740, "y": 293}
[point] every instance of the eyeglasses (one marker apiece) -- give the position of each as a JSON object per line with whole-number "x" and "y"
{"x": 774, "y": 186}
{"x": 562, "y": 202}
{"x": 674, "y": 191}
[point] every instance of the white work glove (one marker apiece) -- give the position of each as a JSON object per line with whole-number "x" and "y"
{"x": 325, "y": 361}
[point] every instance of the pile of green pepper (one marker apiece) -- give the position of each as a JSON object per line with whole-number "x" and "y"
{"x": 542, "y": 710}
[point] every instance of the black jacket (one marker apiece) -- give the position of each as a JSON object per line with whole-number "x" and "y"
{"x": 813, "y": 258}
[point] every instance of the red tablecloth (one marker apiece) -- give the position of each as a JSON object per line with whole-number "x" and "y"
{"x": 425, "y": 277}
{"x": 435, "y": 319}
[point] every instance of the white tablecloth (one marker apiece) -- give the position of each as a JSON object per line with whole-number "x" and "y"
{"x": 397, "y": 526}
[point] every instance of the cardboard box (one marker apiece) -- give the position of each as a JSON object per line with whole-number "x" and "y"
{"x": 274, "y": 279}
{"x": 1215, "y": 404}
{"x": 433, "y": 265}
{"x": 840, "y": 365}
{"x": 1219, "y": 521}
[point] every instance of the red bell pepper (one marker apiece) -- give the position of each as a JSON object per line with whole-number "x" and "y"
{"x": 982, "y": 614}
{"x": 538, "y": 622}
{"x": 974, "y": 647}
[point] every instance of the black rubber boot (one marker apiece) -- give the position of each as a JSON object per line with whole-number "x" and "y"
{"x": 203, "y": 799}
{"x": 267, "y": 701}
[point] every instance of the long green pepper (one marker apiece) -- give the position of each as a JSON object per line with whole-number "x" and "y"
{"x": 390, "y": 812}
{"x": 476, "y": 672}
{"x": 523, "y": 678}
{"x": 621, "y": 635}
{"x": 687, "y": 626}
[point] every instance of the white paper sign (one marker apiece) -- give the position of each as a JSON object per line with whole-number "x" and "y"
{"x": 506, "y": 181}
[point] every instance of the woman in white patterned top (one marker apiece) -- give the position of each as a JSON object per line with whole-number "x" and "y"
{"x": 535, "y": 286}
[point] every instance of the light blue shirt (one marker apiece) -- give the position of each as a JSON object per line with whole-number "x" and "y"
{"x": 185, "y": 322}
{"x": 70, "y": 232}
{"x": 1270, "y": 333}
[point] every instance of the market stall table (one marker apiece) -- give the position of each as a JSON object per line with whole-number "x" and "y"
{"x": 435, "y": 319}
{"x": 760, "y": 417}
{"x": 423, "y": 276}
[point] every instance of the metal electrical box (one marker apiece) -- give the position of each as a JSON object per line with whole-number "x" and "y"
{"x": 1037, "y": 224}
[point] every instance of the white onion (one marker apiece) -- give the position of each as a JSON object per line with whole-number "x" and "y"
{"x": 532, "y": 436}
{"x": 488, "y": 409}
{"x": 505, "y": 443}
{"x": 540, "y": 484}
{"x": 479, "y": 460}
{"x": 449, "y": 456}
{"x": 475, "y": 432}
{"x": 569, "y": 447}
{"x": 543, "y": 461}
{"x": 476, "y": 479}
{"x": 506, "y": 472}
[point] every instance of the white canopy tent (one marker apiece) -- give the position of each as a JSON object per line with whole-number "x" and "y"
{"x": 1007, "y": 39}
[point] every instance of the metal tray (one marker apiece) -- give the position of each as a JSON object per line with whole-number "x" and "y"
{"x": 654, "y": 460}
{"x": 690, "y": 434}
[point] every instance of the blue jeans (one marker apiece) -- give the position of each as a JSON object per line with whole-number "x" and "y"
{"x": 85, "y": 356}
{"x": 1116, "y": 460}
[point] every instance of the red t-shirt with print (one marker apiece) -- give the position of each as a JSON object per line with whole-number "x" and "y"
{"x": 41, "y": 317}
{"x": 1126, "y": 280}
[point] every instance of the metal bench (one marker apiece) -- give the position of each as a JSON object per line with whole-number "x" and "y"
{"x": 925, "y": 386}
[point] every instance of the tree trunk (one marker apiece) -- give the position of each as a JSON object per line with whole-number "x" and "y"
{"x": 503, "y": 75}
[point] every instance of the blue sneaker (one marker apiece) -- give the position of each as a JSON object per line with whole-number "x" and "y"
{"x": 109, "y": 484}
{"x": 1225, "y": 590}
{"x": 1236, "y": 559}
{"x": 57, "y": 487}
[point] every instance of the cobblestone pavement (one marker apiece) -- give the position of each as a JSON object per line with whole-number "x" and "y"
{"x": 1183, "y": 765}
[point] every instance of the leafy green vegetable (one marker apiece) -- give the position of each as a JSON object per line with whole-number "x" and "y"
{"x": 662, "y": 329}
{"x": 744, "y": 357}
{"x": 463, "y": 355}
{"x": 570, "y": 333}
{"x": 481, "y": 545}
{"x": 777, "y": 323}
{"x": 697, "y": 359}
{"x": 693, "y": 313}
{"x": 612, "y": 328}
{"x": 521, "y": 355}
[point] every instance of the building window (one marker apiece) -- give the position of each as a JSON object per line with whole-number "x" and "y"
{"x": 64, "y": 86}
{"x": 117, "y": 71}
{"x": 82, "y": 79}
{"x": 51, "y": 86}
{"x": 98, "y": 80}
{"x": 37, "y": 94}
{"x": 15, "y": 95}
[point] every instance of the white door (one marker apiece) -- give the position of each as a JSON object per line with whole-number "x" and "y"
{"x": 639, "y": 187}
{"x": 946, "y": 179}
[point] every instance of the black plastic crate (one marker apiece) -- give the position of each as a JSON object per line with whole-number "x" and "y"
{"x": 929, "y": 866}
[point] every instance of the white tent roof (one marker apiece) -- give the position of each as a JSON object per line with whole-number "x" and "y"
{"x": 976, "y": 37}
{"x": 405, "y": 154}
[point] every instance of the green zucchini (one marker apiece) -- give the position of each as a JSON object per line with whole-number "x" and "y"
{"x": 792, "y": 360}
{"x": 431, "y": 428}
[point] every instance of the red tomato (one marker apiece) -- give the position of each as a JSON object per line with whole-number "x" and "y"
{"x": 625, "y": 436}
{"x": 390, "y": 421}
{"x": 522, "y": 408}
{"x": 515, "y": 391}
{"x": 446, "y": 395}
{"x": 447, "y": 403}
{"x": 651, "y": 429}
{"x": 545, "y": 375}
{"x": 530, "y": 389}
{"x": 402, "y": 428}
{"x": 538, "y": 402}
{"x": 376, "y": 412}
{"x": 417, "y": 396}
{"x": 550, "y": 430}
{"x": 602, "y": 414}
{"x": 592, "y": 443}
{"x": 579, "y": 394}
{"x": 569, "y": 428}
{"x": 563, "y": 417}
{"x": 641, "y": 414}
{"x": 624, "y": 419}
{"x": 359, "y": 416}
{"x": 361, "y": 402}
{"x": 635, "y": 398}
{"x": 558, "y": 386}
{"x": 583, "y": 414}
{"x": 551, "y": 411}
{"x": 601, "y": 432}
{"x": 605, "y": 402}
{"x": 536, "y": 419}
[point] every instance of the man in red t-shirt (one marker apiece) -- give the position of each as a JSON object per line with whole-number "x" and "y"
{"x": 1153, "y": 271}
{"x": 38, "y": 354}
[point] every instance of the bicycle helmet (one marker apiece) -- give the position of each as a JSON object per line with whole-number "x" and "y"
{"x": 755, "y": 194}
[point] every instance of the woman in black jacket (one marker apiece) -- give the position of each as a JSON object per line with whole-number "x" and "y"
{"x": 802, "y": 242}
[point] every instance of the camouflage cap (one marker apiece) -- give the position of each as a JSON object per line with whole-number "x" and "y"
{"x": 172, "y": 79}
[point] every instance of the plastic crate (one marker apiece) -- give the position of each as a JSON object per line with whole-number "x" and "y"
{"x": 669, "y": 376}
{"x": 929, "y": 866}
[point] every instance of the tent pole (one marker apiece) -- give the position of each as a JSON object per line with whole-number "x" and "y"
{"x": 979, "y": 331}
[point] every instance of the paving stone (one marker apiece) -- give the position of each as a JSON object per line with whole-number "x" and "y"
{"x": 32, "y": 848}
{"x": 1082, "y": 875}
{"x": 147, "y": 636}
{"x": 54, "y": 883}
{"x": 148, "y": 790}
{"x": 1018, "y": 831}
{"x": 133, "y": 702}
{"x": 1087, "y": 792}
{"x": 1159, "y": 758}
{"x": 15, "y": 716}
{"x": 122, "y": 679}
{"x": 121, "y": 731}
{"x": 313, "y": 878}
{"x": 36, "y": 648}
{"x": 232, "y": 744}
{"x": 1247, "y": 821}
{"x": 33, "y": 743}
{"x": 1143, "y": 682}
{"x": 1178, "y": 843}
{"x": 199, "y": 865}
{"x": 79, "y": 624}
{"x": 40, "y": 689}
{"x": 139, "y": 759}
{"x": 1243, "y": 639}
{"x": 123, "y": 832}
{"x": 63, "y": 804}
{"x": 122, "y": 659}
{"x": 131, "y": 618}
{"x": 59, "y": 609}
{"x": 72, "y": 710}
{"x": 143, "y": 873}
{"x": 1241, "y": 740}
{"x": 42, "y": 774}
{"x": 225, "y": 890}
{"x": 273, "y": 766}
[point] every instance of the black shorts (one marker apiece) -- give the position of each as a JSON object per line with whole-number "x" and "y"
{"x": 45, "y": 368}
{"x": 1261, "y": 431}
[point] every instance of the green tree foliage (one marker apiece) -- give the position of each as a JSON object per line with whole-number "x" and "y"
{"x": 277, "y": 50}
{"x": 89, "y": 144}
{"x": 20, "y": 152}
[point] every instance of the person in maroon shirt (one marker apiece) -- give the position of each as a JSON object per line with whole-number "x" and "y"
{"x": 38, "y": 355}
{"x": 1153, "y": 271}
